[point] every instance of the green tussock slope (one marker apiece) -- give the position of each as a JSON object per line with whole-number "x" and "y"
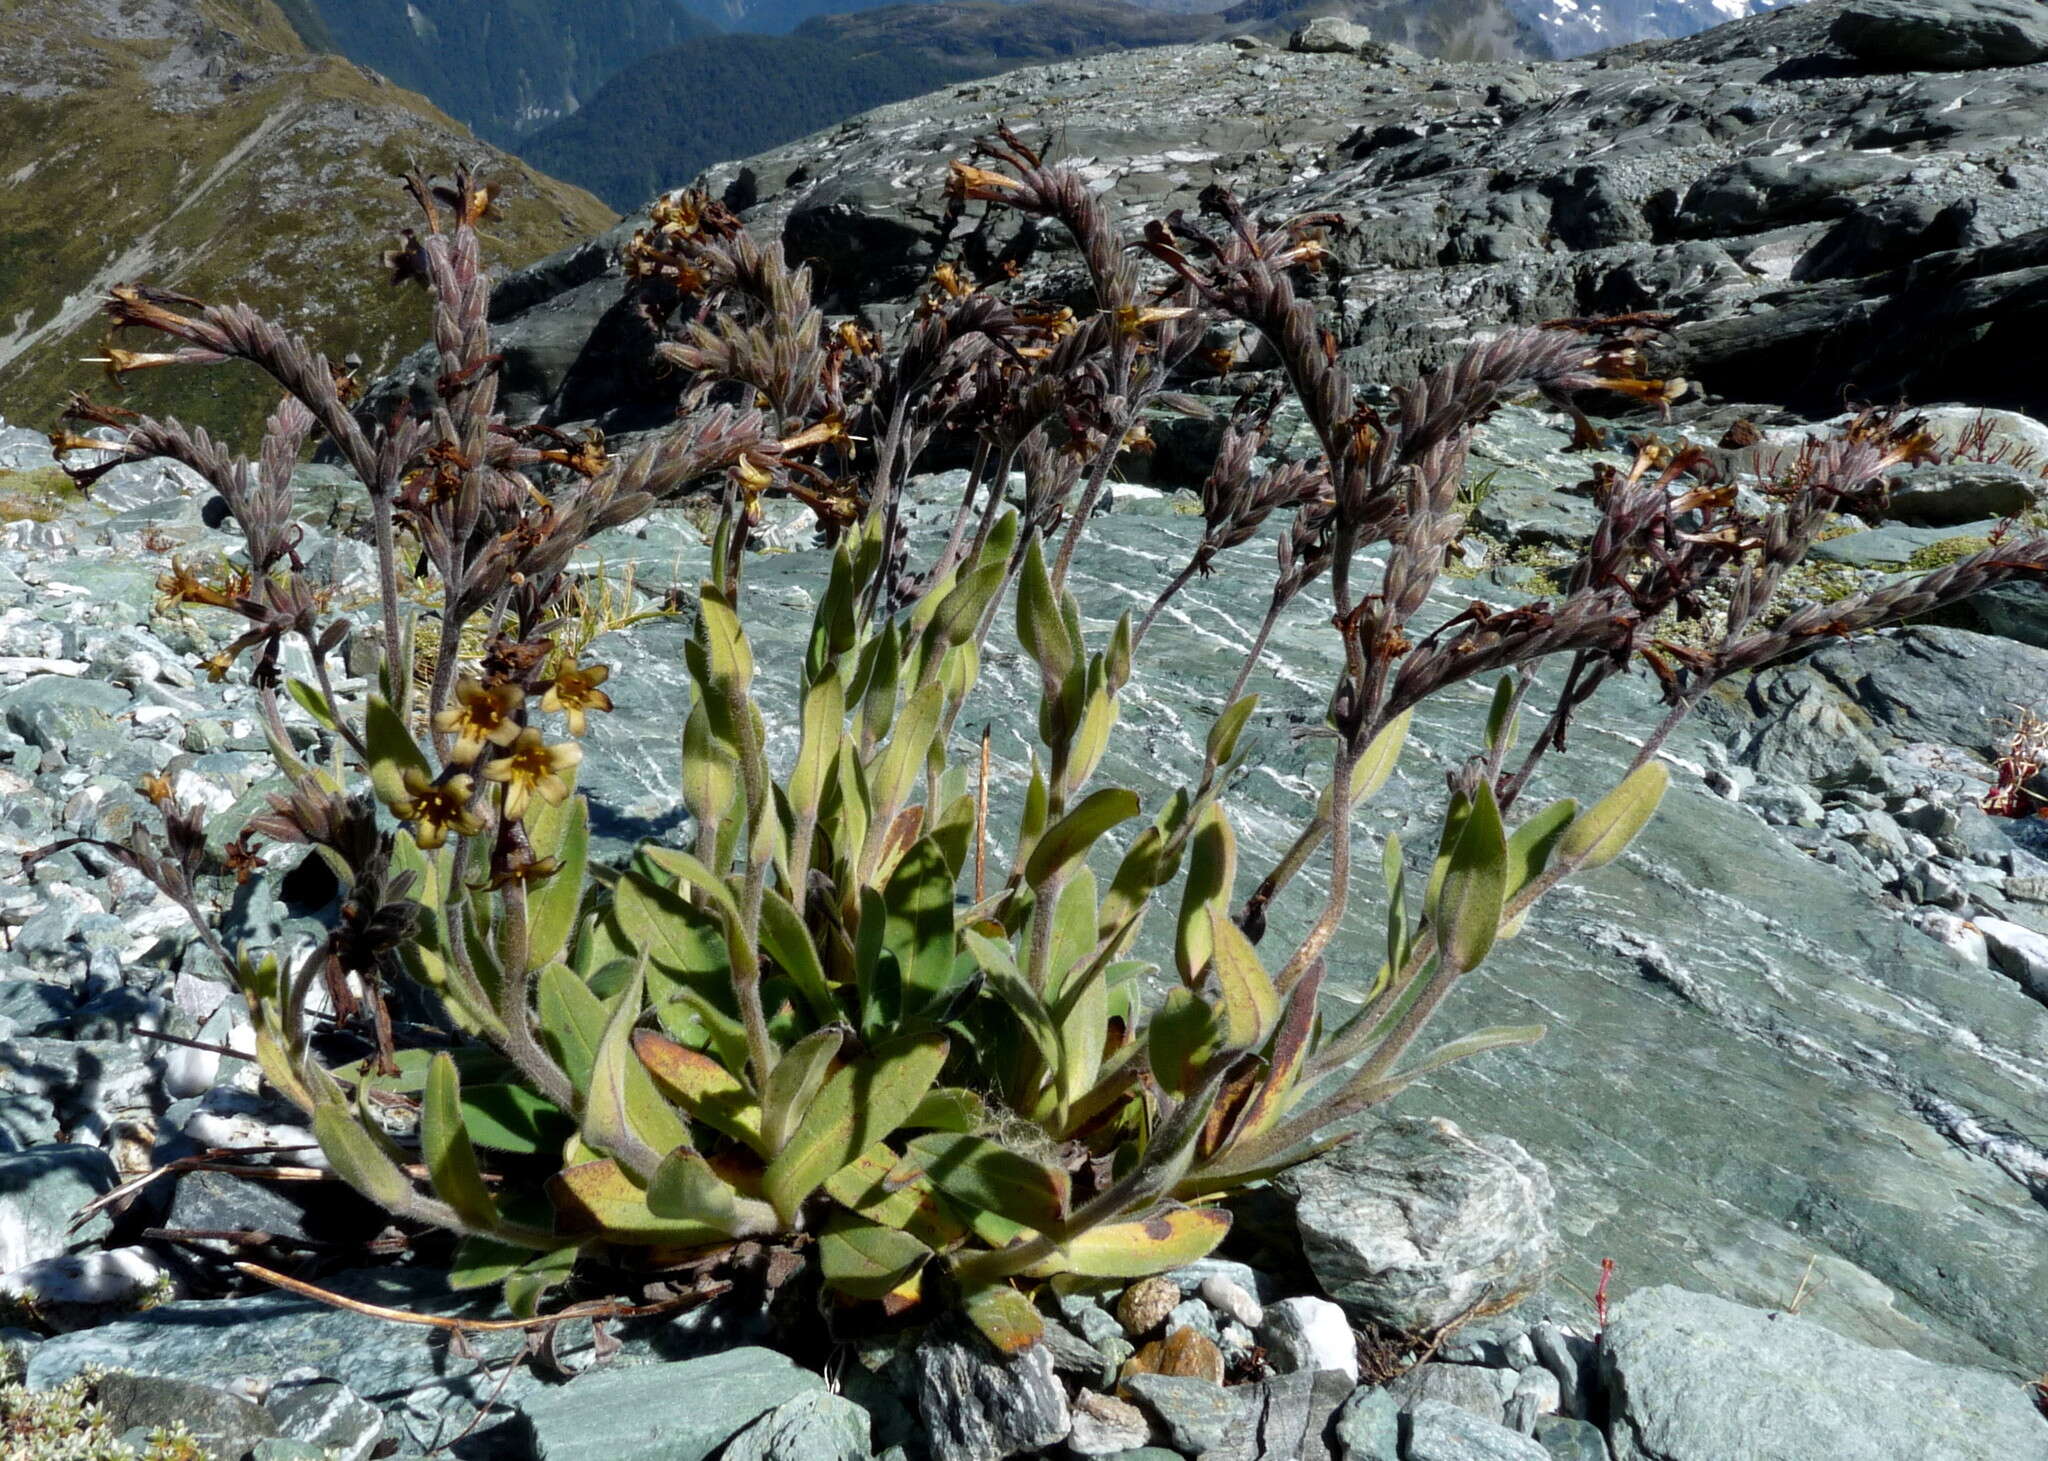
{"x": 200, "y": 146}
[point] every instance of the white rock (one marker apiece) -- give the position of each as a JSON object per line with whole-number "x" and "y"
{"x": 189, "y": 1072}
{"x": 80, "y": 1290}
{"x": 2019, "y": 951}
{"x": 1309, "y": 1334}
{"x": 1953, "y": 932}
{"x": 1326, "y": 33}
{"x": 1227, "y": 1297}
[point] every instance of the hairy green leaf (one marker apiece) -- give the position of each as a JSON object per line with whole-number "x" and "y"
{"x": 1467, "y": 912}
{"x": 1070, "y": 838}
{"x": 1601, "y": 835}
{"x": 862, "y": 1103}
{"x": 445, "y": 1147}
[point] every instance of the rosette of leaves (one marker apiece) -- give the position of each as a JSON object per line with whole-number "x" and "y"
{"x": 803, "y": 1024}
{"x": 847, "y": 1014}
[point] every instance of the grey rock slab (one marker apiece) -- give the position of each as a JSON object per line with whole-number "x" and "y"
{"x": 225, "y": 1424}
{"x": 1416, "y": 1223}
{"x": 683, "y": 1411}
{"x": 1368, "y": 1426}
{"x": 40, "y": 1190}
{"x": 428, "y": 1394}
{"x": 1194, "y": 1415}
{"x": 1438, "y": 1431}
{"x": 1943, "y": 35}
{"x": 1894, "y": 544}
{"x": 814, "y": 1426}
{"x": 979, "y": 1405}
{"x": 1691, "y": 1377}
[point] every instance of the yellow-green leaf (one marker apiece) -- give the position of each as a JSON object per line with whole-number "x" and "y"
{"x": 1601, "y": 835}
{"x": 1250, "y": 1002}
{"x": 866, "y": 1260}
{"x": 702, "y": 1087}
{"x": 861, "y": 1104}
{"x": 1167, "y": 1238}
{"x": 445, "y": 1147}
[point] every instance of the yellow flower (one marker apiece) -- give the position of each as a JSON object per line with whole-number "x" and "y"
{"x": 529, "y": 767}
{"x": 438, "y": 810}
{"x": 575, "y": 692}
{"x": 481, "y": 714}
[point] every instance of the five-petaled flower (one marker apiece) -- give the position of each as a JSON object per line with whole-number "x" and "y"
{"x": 530, "y": 767}
{"x": 481, "y": 713}
{"x": 437, "y": 810}
{"x": 575, "y": 693}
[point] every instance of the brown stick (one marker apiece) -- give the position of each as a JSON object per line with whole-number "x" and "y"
{"x": 604, "y": 1310}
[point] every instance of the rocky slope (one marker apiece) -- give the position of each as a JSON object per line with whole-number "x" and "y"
{"x": 199, "y": 145}
{"x": 1798, "y": 1043}
{"x": 1818, "y": 219}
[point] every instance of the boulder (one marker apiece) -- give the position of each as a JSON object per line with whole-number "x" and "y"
{"x": 1437, "y": 1431}
{"x": 1943, "y": 35}
{"x": 814, "y": 1426}
{"x": 684, "y": 1411}
{"x": 40, "y": 1190}
{"x": 1691, "y": 1377}
{"x": 1416, "y": 1224}
{"x": 1760, "y": 192}
{"x": 1963, "y": 492}
{"x": 1328, "y": 33}
{"x": 979, "y": 1405}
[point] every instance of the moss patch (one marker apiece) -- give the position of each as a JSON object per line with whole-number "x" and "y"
{"x": 66, "y": 1424}
{"x": 39, "y": 496}
{"x": 1947, "y": 551}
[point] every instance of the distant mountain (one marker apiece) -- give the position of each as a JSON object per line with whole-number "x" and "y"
{"x": 201, "y": 145}
{"x": 659, "y": 123}
{"x": 1575, "y": 27}
{"x": 505, "y": 67}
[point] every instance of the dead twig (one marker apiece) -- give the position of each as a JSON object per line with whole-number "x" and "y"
{"x": 600, "y": 1309}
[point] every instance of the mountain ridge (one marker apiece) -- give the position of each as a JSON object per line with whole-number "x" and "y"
{"x": 200, "y": 145}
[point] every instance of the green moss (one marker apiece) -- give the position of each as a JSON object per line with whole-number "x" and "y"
{"x": 65, "y": 1423}
{"x": 38, "y": 496}
{"x": 1947, "y": 551}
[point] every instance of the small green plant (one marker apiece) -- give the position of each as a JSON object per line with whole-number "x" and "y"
{"x": 35, "y": 496}
{"x": 65, "y": 1423}
{"x": 845, "y": 1014}
{"x": 1945, "y": 552}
